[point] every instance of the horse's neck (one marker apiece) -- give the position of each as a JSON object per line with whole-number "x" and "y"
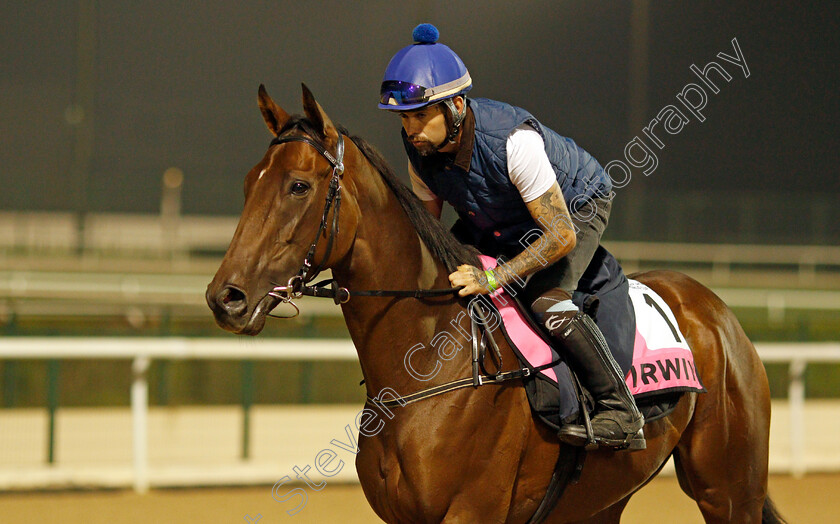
{"x": 388, "y": 254}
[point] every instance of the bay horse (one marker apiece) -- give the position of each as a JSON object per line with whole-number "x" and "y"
{"x": 473, "y": 454}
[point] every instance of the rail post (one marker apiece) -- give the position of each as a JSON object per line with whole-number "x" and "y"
{"x": 139, "y": 417}
{"x": 796, "y": 395}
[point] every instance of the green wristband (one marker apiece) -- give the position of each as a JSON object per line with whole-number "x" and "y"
{"x": 492, "y": 285}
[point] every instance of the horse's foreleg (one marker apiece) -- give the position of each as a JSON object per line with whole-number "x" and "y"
{"x": 476, "y": 506}
{"x": 468, "y": 516}
{"x": 611, "y": 515}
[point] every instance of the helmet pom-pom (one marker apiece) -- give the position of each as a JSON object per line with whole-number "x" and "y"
{"x": 425, "y": 34}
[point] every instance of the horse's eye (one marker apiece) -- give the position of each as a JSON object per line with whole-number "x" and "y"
{"x": 300, "y": 188}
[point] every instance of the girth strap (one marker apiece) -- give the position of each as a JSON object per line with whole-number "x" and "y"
{"x": 567, "y": 471}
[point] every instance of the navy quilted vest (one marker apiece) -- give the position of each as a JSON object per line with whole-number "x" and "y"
{"x": 489, "y": 205}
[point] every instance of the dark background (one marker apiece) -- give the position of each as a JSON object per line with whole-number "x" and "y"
{"x": 174, "y": 84}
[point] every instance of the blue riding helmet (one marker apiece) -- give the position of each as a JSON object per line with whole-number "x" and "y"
{"x": 422, "y": 74}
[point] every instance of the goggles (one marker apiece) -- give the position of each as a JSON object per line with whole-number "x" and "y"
{"x": 403, "y": 93}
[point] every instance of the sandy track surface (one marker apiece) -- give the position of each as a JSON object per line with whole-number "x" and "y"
{"x": 813, "y": 499}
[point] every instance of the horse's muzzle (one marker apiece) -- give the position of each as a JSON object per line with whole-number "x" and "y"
{"x": 230, "y": 307}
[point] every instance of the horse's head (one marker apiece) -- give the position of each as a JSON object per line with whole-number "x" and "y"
{"x": 285, "y": 196}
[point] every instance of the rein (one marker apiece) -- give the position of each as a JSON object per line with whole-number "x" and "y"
{"x": 298, "y": 285}
{"x": 481, "y": 336}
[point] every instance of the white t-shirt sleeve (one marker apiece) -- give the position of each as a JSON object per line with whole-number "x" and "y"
{"x": 528, "y": 164}
{"x": 418, "y": 186}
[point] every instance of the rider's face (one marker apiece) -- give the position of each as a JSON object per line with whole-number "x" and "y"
{"x": 425, "y": 128}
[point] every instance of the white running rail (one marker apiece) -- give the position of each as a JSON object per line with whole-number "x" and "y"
{"x": 143, "y": 350}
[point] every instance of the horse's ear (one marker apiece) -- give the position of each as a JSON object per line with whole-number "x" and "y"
{"x": 315, "y": 113}
{"x": 274, "y": 116}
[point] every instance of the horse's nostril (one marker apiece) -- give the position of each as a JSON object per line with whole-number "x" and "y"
{"x": 232, "y": 295}
{"x": 233, "y": 300}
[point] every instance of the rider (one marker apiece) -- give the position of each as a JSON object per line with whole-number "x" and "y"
{"x": 507, "y": 175}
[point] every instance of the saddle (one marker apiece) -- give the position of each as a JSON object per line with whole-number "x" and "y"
{"x": 657, "y": 372}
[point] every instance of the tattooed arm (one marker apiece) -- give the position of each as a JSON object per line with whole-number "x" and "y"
{"x": 558, "y": 239}
{"x": 550, "y": 213}
{"x": 531, "y": 172}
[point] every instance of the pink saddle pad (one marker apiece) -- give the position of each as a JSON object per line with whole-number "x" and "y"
{"x": 662, "y": 360}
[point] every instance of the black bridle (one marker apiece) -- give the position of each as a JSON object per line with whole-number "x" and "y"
{"x": 298, "y": 285}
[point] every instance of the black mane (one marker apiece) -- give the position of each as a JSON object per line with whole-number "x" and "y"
{"x": 302, "y": 123}
{"x": 440, "y": 241}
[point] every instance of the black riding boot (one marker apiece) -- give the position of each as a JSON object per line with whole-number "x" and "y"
{"x": 616, "y": 422}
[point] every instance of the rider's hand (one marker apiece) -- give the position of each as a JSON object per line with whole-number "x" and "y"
{"x": 473, "y": 279}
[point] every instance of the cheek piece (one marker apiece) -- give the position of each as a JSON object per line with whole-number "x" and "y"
{"x": 454, "y": 119}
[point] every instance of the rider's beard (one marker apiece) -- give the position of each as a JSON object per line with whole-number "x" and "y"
{"x": 424, "y": 146}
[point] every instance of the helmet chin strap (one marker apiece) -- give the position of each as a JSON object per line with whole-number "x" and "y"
{"x": 456, "y": 119}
